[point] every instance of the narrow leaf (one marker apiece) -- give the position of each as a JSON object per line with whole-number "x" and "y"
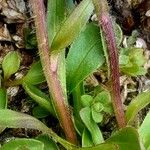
{"x": 41, "y": 98}
{"x": 126, "y": 138}
{"x": 93, "y": 128}
{"x": 138, "y": 103}
{"x": 73, "y": 25}
{"x": 84, "y": 49}
{"x": 144, "y": 131}
{"x": 11, "y": 64}
{"x": 23, "y": 144}
{"x": 35, "y": 74}
{"x": 12, "y": 119}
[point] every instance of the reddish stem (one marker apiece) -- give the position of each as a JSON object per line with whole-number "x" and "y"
{"x": 107, "y": 28}
{"x": 50, "y": 66}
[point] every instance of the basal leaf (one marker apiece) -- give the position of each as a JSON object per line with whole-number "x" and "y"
{"x": 126, "y": 138}
{"x": 3, "y": 98}
{"x": 144, "y": 131}
{"x": 35, "y": 74}
{"x": 93, "y": 128}
{"x": 11, "y": 64}
{"x": 85, "y": 56}
{"x": 23, "y": 144}
{"x": 49, "y": 144}
{"x": 12, "y": 119}
{"x": 72, "y": 25}
{"x": 138, "y": 103}
{"x": 41, "y": 98}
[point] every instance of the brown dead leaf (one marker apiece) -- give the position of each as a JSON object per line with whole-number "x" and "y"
{"x": 13, "y": 10}
{"x": 4, "y": 33}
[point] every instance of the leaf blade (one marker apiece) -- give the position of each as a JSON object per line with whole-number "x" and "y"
{"x": 72, "y": 25}
{"x": 136, "y": 105}
{"x": 80, "y": 58}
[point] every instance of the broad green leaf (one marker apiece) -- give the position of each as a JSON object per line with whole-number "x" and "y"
{"x": 41, "y": 98}
{"x": 12, "y": 119}
{"x": 126, "y": 138}
{"x": 72, "y": 25}
{"x": 93, "y": 128}
{"x": 97, "y": 116}
{"x": 86, "y": 100}
{"x": 35, "y": 74}
{"x": 55, "y": 17}
{"x": 10, "y": 64}
{"x": 49, "y": 144}
{"x": 23, "y": 144}
{"x": 101, "y": 147}
{"x": 144, "y": 131}
{"x": 137, "y": 56}
{"x": 138, "y": 103}
{"x": 3, "y": 98}
{"x": 40, "y": 112}
{"x": 86, "y": 48}
{"x": 86, "y": 139}
{"x": 105, "y": 99}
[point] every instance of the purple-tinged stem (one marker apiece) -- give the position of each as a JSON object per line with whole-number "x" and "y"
{"x": 50, "y": 67}
{"x": 107, "y": 28}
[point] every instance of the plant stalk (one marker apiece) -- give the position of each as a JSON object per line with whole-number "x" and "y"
{"x": 50, "y": 66}
{"x": 105, "y": 24}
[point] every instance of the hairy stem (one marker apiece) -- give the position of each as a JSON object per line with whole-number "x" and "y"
{"x": 107, "y": 28}
{"x": 50, "y": 66}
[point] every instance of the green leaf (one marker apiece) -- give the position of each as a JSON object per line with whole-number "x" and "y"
{"x": 12, "y": 119}
{"x": 97, "y": 116}
{"x": 30, "y": 38}
{"x": 3, "y": 98}
{"x": 126, "y": 138}
{"x": 93, "y": 128}
{"x": 138, "y": 103}
{"x": 40, "y": 112}
{"x": 86, "y": 139}
{"x": 144, "y": 131}
{"x": 101, "y": 147}
{"x": 49, "y": 144}
{"x": 10, "y": 64}
{"x": 84, "y": 49}
{"x": 35, "y": 74}
{"x": 105, "y": 99}
{"x": 55, "y": 17}
{"x": 41, "y": 98}
{"x": 23, "y": 144}
{"x": 86, "y": 100}
{"x": 73, "y": 25}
